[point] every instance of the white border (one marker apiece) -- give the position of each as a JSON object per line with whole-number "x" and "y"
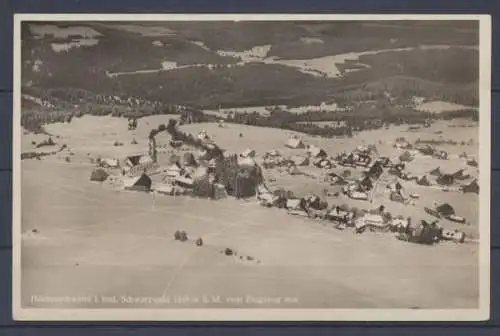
{"x": 123, "y": 314}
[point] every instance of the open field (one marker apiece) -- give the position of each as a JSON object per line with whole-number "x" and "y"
{"x": 88, "y": 233}
{"x": 93, "y": 239}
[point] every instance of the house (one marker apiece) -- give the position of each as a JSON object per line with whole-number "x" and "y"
{"x": 406, "y": 157}
{"x": 176, "y": 143}
{"x": 201, "y": 187}
{"x": 269, "y": 163}
{"x": 184, "y": 180}
{"x": 109, "y": 163}
{"x": 472, "y": 163}
{"x": 423, "y": 181}
{"x": 426, "y": 150}
{"x": 366, "y": 184}
{"x": 212, "y": 163}
{"x": 425, "y": 233}
{"x": 370, "y": 221}
{"x": 219, "y": 191}
{"x": 262, "y": 189}
{"x": 133, "y": 160}
{"x": 300, "y": 160}
{"x": 453, "y": 235}
{"x": 315, "y": 202}
{"x": 402, "y": 144}
{"x": 376, "y": 170}
{"x": 385, "y": 162}
{"x": 338, "y": 215}
{"x": 173, "y": 170}
{"x": 361, "y": 159}
{"x": 244, "y": 186}
{"x": 396, "y": 196}
{"x": 316, "y": 152}
{"x": 357, "y": 195}
{"x": 248, "y": 153}
{"x": 246, "y": 161}
{"x": 295, "y": 143}
{"x": 361, "y": 149}
{"x": 165, "y": 189}
{"x": 140, "y": 183}
{"x": 436, "y": 171}
{"x": 335, "y": 179}
{"x": 295, "y": 204}
{"x": 266, "y": 199}
{"x": 189, "y": 160}
{"x": 472, "y": 187}
{"x": 459, "y": 175}
{"x": 445, "y": 179}
{"x": 272, "y": 154}
{"x": 323, "y": 163}
{"x": 399, "y": 225}
{"x": 132, "y": 123}
{"x": 442, "y": 155}
{"x": 138, "y": 160}
{"x": 445, "y": 210}
{"x": 293, "y": 170}
{"x": 203, "y": 135}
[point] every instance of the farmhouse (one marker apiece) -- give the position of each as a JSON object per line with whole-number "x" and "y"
{"x": 335, "y": 179}
{"x": 203, "y": 135}
{"x": 472, "y": 187}
{"x": 402, "y": 144}
{"x": 138, "y": 160}
{"x": 445, "y": 209}
{"x": 423, "y": 181}
{"x": 248, "y": 153}
{"x": 184, "y": 180}
{"x": 272, "y": 154}
{"x": 300, "y": 160}
{"x": 366, "y": 184}
{"x": 436, "y": 171}
{"x": 189, "y": 160}
{"x": 173, "y": 170}
{"x": 316, "y": 152}
{"x": 109, "y": 163}
{"x": 376, "y": 170}
{"x": 295, "y": 143}
{"x": 445, "y": 179}
{"x": 370, "y": 221}
{"x": 295, "y": 204}
{"x": 293, "y": 170}
{"x": 443, "y": 155}
{"x": 338, "y": 215}
{"x": 246, "y": 161}
{"x": 426, "y": 150}
{"x": 406, "y": 157}
{"x": 140, "y": 183}
{"x": 459, "y": 175}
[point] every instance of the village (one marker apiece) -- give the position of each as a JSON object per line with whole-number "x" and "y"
{"x": 194, "y": 166}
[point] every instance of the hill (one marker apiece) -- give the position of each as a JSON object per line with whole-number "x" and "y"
{"x": 233, "y": 64}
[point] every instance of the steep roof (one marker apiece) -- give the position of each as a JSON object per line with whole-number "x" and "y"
{"x": 445, "y": 209}
{"x": 316, "y": 151}
{"x": 248, "y": 153}
{"x": 295, "y": 143}
{"x": 142, "y": 182}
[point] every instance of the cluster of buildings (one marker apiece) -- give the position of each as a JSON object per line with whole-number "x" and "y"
{"x": 240, "y": 176}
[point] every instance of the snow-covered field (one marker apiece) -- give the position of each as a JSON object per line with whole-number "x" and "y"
{"x": 92, "y": 239}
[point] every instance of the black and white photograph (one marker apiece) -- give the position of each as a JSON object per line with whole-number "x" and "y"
{"x": 251, "y": 167}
